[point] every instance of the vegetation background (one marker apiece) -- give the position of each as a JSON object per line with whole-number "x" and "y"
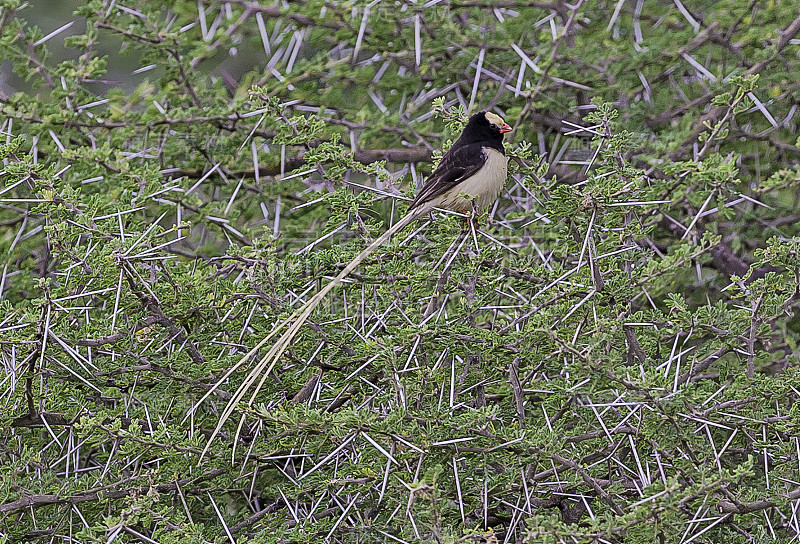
{"x": 611, "y": 356}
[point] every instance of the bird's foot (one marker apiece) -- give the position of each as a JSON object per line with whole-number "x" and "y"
{"x": 472, "y": 222}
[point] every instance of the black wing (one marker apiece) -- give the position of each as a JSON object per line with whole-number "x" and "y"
{"x": 457, "y": 165}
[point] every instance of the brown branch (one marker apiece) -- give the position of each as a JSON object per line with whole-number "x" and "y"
{"x": 751, "y": 340}
{"x": 273, "y": 507}
{"x": 152, "y": 305}
{"x": 732, "y": 507}
{"x": 591, "y": 482}
{"x": 37, "y": 501}
{"x": 232, "y": 118}
{"x": 364, "y": 156}
{"x": 278, "y": 13}
{"x": 114, "y": 338}
{"x": 710, "y": 118}
{"x": 33, "y": 420}
{"x": 516, "y": 386}
{"x": 700, "y": 366}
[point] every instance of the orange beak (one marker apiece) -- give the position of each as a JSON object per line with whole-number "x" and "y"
{"x": 505, "y": 128}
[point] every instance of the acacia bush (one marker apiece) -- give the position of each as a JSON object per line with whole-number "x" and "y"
{"x": 610, "y": 356}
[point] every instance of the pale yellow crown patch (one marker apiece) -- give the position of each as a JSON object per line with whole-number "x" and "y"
{"x": 495, "y": 119}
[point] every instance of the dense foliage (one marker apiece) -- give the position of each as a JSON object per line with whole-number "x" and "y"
{"x": 610, "y": 356}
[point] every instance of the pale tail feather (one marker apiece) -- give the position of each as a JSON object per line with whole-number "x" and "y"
{"x": 292, "y": 325}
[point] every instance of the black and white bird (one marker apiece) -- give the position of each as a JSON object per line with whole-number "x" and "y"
{"x": 470, "y": 175}
{"x": 474, "y": 166}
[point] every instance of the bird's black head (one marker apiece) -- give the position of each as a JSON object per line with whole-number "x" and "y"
{"x": 486, "y": 128}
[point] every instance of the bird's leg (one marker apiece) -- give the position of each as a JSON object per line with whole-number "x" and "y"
{"x": 476, "y": 213}
{"x": 473, "y": 226}
{"x": 468, "y": 220}
{"x": 472, "y": 217}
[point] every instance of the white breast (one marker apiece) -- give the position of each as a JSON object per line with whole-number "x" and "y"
{"x": 483, "y": 187}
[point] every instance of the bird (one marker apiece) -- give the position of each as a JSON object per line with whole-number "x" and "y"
{"x": 475, "y": 165}
{"x": 470, "y": 175}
